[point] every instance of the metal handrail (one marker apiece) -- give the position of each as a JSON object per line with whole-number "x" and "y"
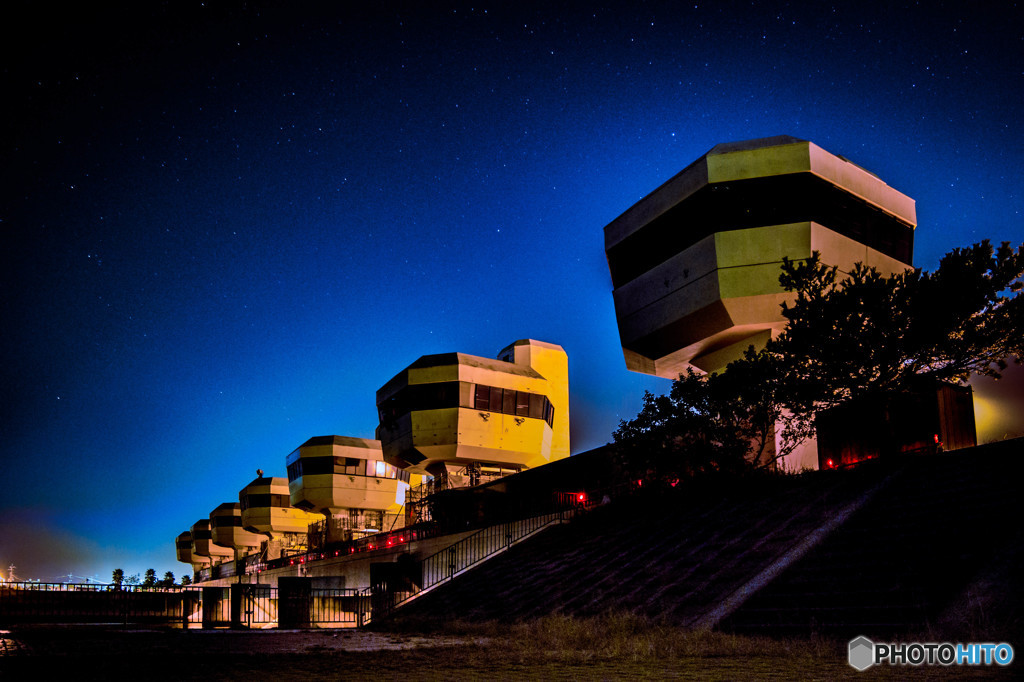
{"x": 444, "y": 565}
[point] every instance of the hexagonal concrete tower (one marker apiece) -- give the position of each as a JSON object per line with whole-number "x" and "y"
{"x": 183, "y": 550}
{"x": 466, "y": 417}
{"x": 204, "y": 550}
{"x": 267, "y": 509}
{"x": 695, "y": 264}
{"x": 227, "y": 530}
{"x": 347, "y": 480}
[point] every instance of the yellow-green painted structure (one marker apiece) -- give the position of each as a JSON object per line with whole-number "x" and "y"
{"x": 227, "y": 531}
{"x": 695, "y": 265}
{"x": 205, "y": 551}
{"x": 347, "y": 480}
{"x": 266, "y": 509}
{"x": 457, "y": 415}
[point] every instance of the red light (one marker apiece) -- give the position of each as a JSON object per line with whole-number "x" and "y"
{"x": 937, "y": 441}
{"x": 830, "y": 464}
{"x": 581, "y": 497}
{"x": 351, "y": 550}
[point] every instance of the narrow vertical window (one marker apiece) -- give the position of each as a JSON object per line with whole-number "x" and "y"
{"x": 496, "y": 399}
{"x": 483, "y": 398}
{"x": 522, "y": 404}
{"x": 536, "y": 406}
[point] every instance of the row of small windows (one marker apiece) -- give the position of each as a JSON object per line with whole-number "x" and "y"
{"x": 226, "y": 521}
{"x": 264, "y": 500}
{"x": 509, "y": 401}
{"x": 758, "y": 202}
{"x": 352, "y": 466}
{"x": 462, "y": 394}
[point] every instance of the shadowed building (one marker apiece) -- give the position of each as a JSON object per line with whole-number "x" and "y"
{"x": 347, "y": 480}
{"x": 696, "y": 263}
{"x": 183, "y": 551}
{"x": 925, "y": 420}
{"x": 462, "y": 417}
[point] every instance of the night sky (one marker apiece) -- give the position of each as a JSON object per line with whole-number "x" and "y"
{"x": 224, "y": 226}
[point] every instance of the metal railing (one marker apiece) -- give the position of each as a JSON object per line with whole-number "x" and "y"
{"x": 336, "y": 607}
{"x": 237, "y": 606}
{"x": 450, "y": 562}
{"x": 91, "y": 603}
{"x": 369, "y": 543}
{"x": 485, "y": 543}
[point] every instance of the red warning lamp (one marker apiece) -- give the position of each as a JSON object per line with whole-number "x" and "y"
{"x": 830, "y": 464}
{"x": 582, "y": 497}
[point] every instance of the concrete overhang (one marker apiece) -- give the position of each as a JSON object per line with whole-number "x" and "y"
{"x": 761, "y": 158}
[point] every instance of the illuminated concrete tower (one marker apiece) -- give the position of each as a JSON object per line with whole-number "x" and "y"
{"x": 266, "y": 509}
{"x": 347, "y": 480}
{"x": 227, "y": 530}
{"x": 203, "y": 546}
{"x": 465, "y": 417}
{"x": 696, "y": 263}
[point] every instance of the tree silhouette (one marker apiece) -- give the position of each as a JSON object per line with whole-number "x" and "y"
{"x": 845, "y": 339}
{"x": 869, "y": 335}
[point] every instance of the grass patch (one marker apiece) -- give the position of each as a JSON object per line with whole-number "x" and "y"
{"x": 625, "y": 646}
{"x": 618, "y": 636}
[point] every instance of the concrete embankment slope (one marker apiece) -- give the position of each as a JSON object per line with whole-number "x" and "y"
{"x": 892, "y": 545}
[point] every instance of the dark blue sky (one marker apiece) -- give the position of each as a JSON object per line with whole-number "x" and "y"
{"x": 224, "y": 226}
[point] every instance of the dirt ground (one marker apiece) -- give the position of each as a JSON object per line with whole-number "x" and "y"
{"x": 112, "y": 653}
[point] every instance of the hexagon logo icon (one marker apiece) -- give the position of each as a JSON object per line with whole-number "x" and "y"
{"x": 862, "y": 653}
